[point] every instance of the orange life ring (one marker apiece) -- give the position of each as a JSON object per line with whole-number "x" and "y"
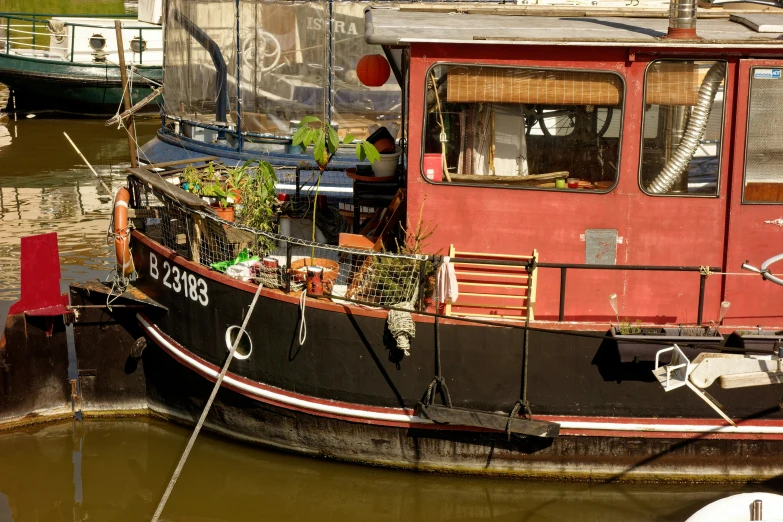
{"x": 122, "y": 233}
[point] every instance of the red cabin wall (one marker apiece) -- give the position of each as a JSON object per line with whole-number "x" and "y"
{"x": 654, "y": 230}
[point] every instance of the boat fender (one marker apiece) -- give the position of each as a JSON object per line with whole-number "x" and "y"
{"x": 122, "y": 233}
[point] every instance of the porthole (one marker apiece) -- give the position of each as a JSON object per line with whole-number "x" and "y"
{"x": 245, "y": 346}
{"x": 138, "y": 44}
{"x": 97, "y": 42}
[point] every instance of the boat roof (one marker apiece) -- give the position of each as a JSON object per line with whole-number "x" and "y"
{"x": 419, "y": 23}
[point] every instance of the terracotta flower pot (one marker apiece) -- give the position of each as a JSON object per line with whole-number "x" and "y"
{"x": 331, "y": 268}
{"x": 226, "y": 214}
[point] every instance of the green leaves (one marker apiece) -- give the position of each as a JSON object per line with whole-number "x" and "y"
{"x": 365, "y": 150}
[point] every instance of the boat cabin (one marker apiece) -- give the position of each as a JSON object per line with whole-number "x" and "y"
{"x": 638, "y": 156}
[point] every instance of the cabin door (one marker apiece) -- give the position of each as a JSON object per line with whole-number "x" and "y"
{"x": 755, "y": 230}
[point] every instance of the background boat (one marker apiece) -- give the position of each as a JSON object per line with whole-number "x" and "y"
{"x": 69, "y": 64}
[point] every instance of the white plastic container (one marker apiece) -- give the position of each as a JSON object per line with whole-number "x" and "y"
{"x": 387, "y": 165}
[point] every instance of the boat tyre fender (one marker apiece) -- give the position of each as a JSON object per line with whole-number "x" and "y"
{"x": 122, "y": 233}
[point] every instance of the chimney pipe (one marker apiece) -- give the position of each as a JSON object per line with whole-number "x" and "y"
{"x": 682, "y": 20}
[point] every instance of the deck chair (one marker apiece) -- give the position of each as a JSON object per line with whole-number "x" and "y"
{"x": 376, "y": 232}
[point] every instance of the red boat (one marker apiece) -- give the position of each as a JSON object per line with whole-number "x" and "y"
{"x": 593, "y": 184}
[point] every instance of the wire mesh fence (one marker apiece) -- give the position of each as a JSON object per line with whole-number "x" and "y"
{"x": 282, "y": 262}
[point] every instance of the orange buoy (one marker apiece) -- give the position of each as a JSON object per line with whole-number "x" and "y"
{"x": 373, "y": 70}
{"x": 122, "y": 233}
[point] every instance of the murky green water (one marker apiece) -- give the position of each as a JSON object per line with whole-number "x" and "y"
{"x": 116, "y": 471}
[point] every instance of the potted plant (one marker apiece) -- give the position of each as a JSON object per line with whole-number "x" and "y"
{"x": 224, "y": 207}
{"x": 325, "y": 141}
{"x": 755, "y": 340}
{"x": 191, "y": 179}
{"x": 639, "y": 343}
{"x": 259, "y": 201}
{"x": 236, "y": 178}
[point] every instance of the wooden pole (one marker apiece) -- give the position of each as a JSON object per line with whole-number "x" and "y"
{"x": 126, "y": 93}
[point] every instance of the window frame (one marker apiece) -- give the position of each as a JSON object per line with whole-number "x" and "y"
{"x": 747, "y": 131}
{"x": 722, "y": 127}
{"x": 524, "y": 67}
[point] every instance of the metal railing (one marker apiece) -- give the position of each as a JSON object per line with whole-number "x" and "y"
{"x": 24, "y": 31}
{"x": 563, "y": 267}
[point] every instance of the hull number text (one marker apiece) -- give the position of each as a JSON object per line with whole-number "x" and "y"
{"x": 180, "y": 281}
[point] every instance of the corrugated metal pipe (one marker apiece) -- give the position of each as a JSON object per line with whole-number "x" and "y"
{"x": 682, "y": 19}
{"x": 697, "y": 124}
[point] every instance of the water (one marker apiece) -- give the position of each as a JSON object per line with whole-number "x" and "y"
{"x": 117, "y": 469}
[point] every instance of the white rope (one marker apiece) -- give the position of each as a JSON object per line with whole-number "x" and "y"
{"x": 302, "y": 325}
{"x": 200, "y": 423}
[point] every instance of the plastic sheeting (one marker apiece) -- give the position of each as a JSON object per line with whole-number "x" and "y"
{"x": 286, "y": 50}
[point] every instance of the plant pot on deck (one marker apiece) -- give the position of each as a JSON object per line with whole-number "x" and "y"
{"x": 225, "y": 213}
{"x": 756, "y": 340}
{"x": 642, "y": 346}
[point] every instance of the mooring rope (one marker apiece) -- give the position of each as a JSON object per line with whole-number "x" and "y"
{"x": 207, "y": 407}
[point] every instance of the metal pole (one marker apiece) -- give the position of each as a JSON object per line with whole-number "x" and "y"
{"x": 287, "y": 267}
{"x": 702, "y": 280}
{"x": 126, "y": 97}
{"x": 755, "y": 511}
{"x": 422, "y": 276}
{"x": 239, "y": 83}
{"x": 561, "y": 315}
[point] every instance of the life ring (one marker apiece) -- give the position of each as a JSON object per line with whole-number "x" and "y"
{"x": 122, "y": 233}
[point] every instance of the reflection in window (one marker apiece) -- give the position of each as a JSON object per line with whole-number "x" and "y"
{"x": 764, "y": 149}
{"x": 682, "y": 127}
{"x": 527, "y": 128}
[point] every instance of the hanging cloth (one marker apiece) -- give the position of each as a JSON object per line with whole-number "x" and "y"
{"x": 448, "y": 289}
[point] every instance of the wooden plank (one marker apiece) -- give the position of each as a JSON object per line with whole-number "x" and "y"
{"x": 488, "y": 305}
{"x": 202, "y": 159}
{"x": 494, "y": 285}
{"x": 532, "y": 292}
{"x": 491, "y": 274}
{"x": 503, "y": 296}
{"x": 488, "y": 420}
{"x": 744, "y": 380}
{"x": 131, "y": 111}
{"x": 488, "y": 265}
{"x": 482, "y": 254}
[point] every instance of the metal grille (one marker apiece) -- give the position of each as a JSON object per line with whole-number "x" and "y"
{"x": 277, "y": 261}
{"x": 764, "y": 151}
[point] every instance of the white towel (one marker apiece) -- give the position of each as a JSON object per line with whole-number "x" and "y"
{"x": 448, "y": 289}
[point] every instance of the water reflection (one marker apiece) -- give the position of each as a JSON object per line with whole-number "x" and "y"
{"x": 45, "y": 187}
{"x": 117, "y": 469}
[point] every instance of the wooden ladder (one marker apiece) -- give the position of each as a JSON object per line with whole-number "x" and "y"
{"x": 494, "y": 290}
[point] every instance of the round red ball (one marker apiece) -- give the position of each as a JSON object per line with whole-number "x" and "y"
{"x": 373, "y": 70}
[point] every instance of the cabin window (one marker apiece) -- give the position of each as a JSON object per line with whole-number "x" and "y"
{"x": 523, "y": 128}
{"x": 764, "y": 142}
{"x": 683, "y": 128}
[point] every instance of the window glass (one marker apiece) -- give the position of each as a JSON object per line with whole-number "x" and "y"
{"x": 683, "y": 126}
{"x": 523, "y": 128}
{"x": 764, "y": 146}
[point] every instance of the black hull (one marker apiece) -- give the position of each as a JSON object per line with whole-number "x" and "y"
{"x": 346, "y": 389}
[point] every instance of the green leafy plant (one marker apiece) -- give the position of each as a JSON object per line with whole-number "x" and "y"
{"x": 325, "y": 141}
{"x": 220, "y": 193}
{"x": 259, "y": 201}
{"x": 192, "y": 177}
{"x": 626, "y": 328}
{"x": 238, "y": 176}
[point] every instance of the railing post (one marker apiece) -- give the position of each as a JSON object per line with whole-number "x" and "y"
{"x": 33, "y": 36}
{"x": 287, "y": 267}
{"x": 7, "y": 35}
{"x": 141, "y": 48}
{"x": 561, "y": 314}
{"x": 73, "y": 38}
{"x": 702, "y": 281}
{"x": 422, "y": 276}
